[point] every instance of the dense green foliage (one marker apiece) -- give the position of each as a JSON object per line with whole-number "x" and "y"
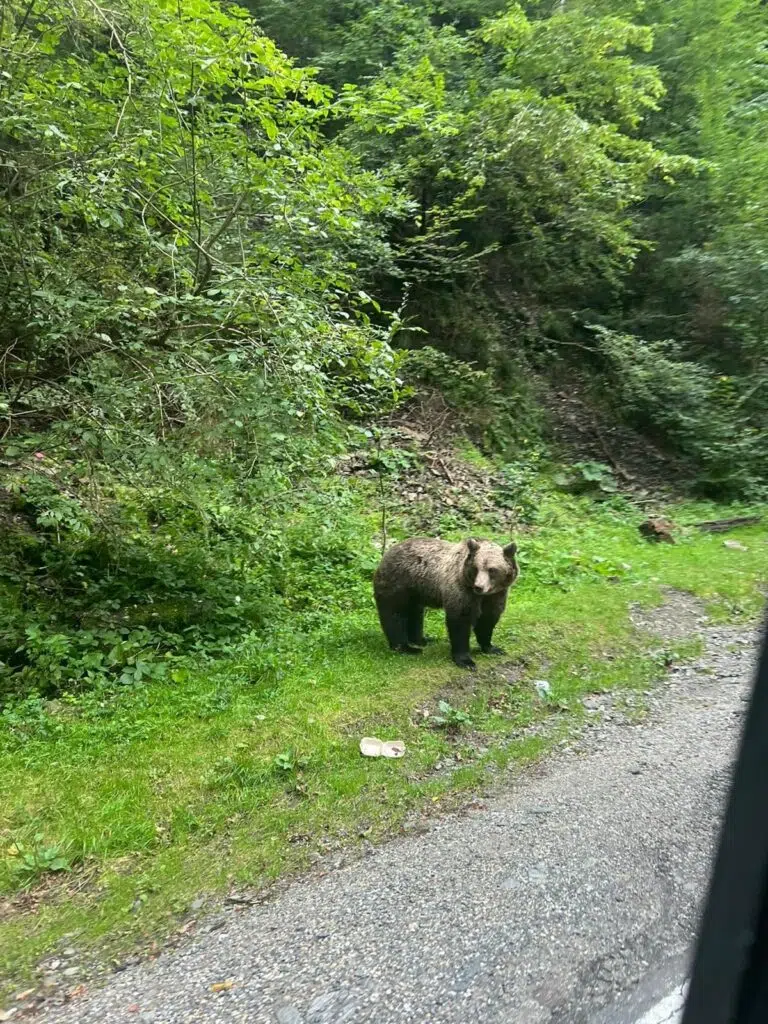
{"x": 577, "y": 165}
{"x": 212, "y": 258}
{"x": 182, "y": 320}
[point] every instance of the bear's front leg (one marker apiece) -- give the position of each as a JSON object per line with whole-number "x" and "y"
{"x": 459, "y": 631}
{"x": 490, "y": 613}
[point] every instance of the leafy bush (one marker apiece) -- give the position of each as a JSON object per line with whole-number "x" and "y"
{"x": 175, "y": 572}
{"x": 288, "y": 761}
{"x": 594, "y": 478}
{"x": 490, "y": 413}
{"x": 188, "y": 287}
{"x": 450, "y": 718}
{"x": 689, "y": 407}
{"x": 29, "y": 861}
{"x": 462, "y": 385}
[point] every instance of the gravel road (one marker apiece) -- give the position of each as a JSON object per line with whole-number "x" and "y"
{"x": 544, "y": 905}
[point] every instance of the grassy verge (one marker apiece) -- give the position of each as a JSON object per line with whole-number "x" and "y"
{"x": 169, "y": 792}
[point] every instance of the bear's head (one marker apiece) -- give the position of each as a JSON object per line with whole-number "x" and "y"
{"x": 490, "y": 568}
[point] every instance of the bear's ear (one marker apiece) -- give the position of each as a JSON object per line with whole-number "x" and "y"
{"x": 472, "y": 546}
{"x": 510, "y": 551}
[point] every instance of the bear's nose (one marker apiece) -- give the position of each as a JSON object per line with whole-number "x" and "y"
{"x": 479, "y": 588}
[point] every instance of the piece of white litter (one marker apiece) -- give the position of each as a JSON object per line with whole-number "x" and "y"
{"x": 370, "y": 746}
{"x": 734, "y": 545}
{"x": 542, "y": 688}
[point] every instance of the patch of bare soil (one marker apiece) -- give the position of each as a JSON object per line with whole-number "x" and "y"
{"x": 423, "y": 473}
{"x": 582, "y": 432}
{"x": 681, "y": 615}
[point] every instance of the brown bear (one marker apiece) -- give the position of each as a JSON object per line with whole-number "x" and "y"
{"x": 469, "y": 580}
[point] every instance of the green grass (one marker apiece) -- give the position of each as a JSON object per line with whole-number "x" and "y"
{"x": 172, "y": 791}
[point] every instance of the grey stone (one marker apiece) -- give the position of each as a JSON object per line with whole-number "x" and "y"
{"x": 289, "y": 1015}
{"x": 538, "y": 873}
{"x": 332, "y": 1008}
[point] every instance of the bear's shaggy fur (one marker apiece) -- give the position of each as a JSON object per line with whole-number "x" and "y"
{"x": 469, "y": 580}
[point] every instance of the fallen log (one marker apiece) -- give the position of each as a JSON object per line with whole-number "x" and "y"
{"x": 722, "y": 525}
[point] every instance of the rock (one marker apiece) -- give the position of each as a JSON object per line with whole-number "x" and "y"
{"x": 595, "y": 701}
{"x": 196, "y": 905}
{"x": 538, "y": 873}
{"x": 319, "y": 1006}
{"x": 132, "y": 961}
{"x": 71, "y": 972}
{"x": 657, "y": 530}
{"x": 289, "y": 1015}
{"x": 337, "y": 1007}
{"x": 69, "y": 952}
{"x": 543, "y": 688}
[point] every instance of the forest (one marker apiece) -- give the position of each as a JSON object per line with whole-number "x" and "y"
{"x": 282, "y": 282}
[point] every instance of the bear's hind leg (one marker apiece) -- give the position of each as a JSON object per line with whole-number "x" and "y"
{"x": 394, "y": 622}
{"x": 416, "y": 626}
